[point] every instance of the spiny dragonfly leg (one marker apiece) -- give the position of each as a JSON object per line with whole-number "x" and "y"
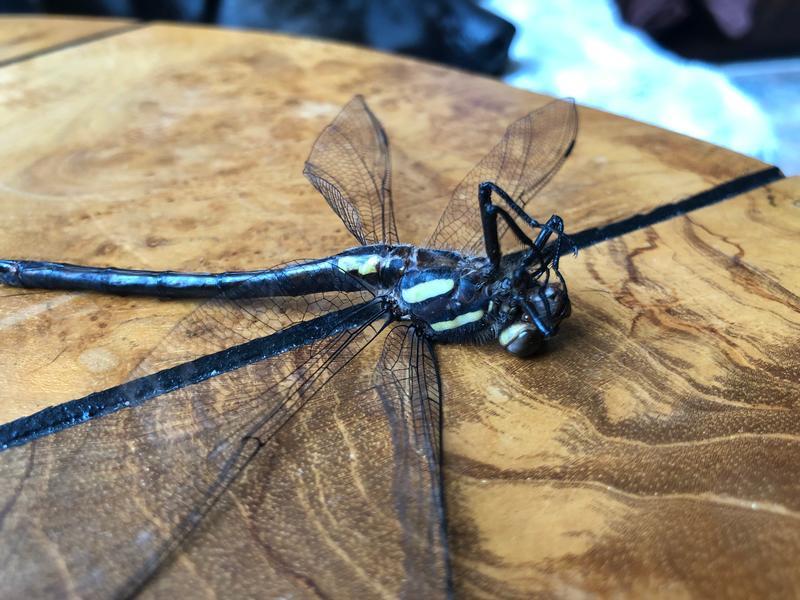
{"x": 490, "y": 186}
{"x": 489, "y": 214}
{"x": 554, "y": 224}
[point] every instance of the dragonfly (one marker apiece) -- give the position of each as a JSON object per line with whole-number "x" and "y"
{"x": 108, "y": 506}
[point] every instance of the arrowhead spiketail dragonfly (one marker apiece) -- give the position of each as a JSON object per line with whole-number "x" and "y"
{"x": 268, "y": 342}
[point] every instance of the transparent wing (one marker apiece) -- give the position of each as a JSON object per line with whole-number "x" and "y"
{"x": 350, "y": 166}
{"x": 529, "y": 154}
{"x": 96, "y": 510}
{"x": 407, "y": 380}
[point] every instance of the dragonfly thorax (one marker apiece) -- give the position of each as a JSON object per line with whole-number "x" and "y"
{"x": 446, "y": 293}
{"x": 454, "y": 297}
{"x": 461, "y": 298}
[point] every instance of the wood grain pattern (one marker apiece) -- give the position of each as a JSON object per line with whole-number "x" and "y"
{"x": 652, "y": 452}
{"x": 176, "y": 147}
{"x": 22, "y": 36}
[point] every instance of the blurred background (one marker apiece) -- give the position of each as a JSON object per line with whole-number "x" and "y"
{"x": 726, "y": 71}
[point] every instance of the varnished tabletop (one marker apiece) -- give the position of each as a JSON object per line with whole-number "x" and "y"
{"x": 652, "y": 452}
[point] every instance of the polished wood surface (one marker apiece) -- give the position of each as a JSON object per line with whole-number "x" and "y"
{"x": 21, "y": 37}
{"x": 182, "y": 148}
{"x": 651, "y": 452}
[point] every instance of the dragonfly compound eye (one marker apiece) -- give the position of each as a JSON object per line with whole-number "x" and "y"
{"x": 550, "y": 302}
{"x": 521, "y": 338}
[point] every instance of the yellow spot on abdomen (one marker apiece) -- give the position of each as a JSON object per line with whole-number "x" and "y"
{"x": 363, "y": 264}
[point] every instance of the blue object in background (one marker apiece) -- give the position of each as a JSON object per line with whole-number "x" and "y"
{"x": 583, "y": 49}
{"x": 775, "y": 85}
{"x": 454, "y": 32}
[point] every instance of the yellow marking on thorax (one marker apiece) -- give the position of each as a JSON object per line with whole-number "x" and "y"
{"x": 363, "y": 264}
{"x": 470, "y": 317}
{"x": 427, "y": 290}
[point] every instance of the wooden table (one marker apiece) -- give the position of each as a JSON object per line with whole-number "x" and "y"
{"x": 652, "y": 452}
{"x": 23, "y": 38}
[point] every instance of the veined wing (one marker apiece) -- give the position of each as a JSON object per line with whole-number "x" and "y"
{"x": 96, "y": 510}
{"x": 350, "y": 166}
{"x": 407, "y": 380}
{"x": 527, "y": 157}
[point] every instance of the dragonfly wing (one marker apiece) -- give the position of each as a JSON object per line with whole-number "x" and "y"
{"x": 407, "y": 381}
{"x": 98, "y": 509}
{"x": 350, "y": 166}
{"x": 527, "y": 157}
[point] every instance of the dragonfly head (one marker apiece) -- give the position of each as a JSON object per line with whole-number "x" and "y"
{"x": 534, "y": 315}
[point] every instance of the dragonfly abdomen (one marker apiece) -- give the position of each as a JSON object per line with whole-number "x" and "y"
{"x": 290, "y": 280}
{"x": 346, "y": 272}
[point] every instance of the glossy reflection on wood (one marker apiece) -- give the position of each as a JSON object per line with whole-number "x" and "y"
{"x": 654, "y": 451}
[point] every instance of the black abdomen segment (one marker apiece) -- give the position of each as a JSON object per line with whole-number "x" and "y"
{"x": 291, "y": 280}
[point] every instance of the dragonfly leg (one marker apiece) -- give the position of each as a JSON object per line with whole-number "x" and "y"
{"x": 518, "y": 210}
{"x": 535, "y": 319}
{"x": 489, "y": 214}
{"x": 489, "y": 223}
{"x": 554, "y": 224}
